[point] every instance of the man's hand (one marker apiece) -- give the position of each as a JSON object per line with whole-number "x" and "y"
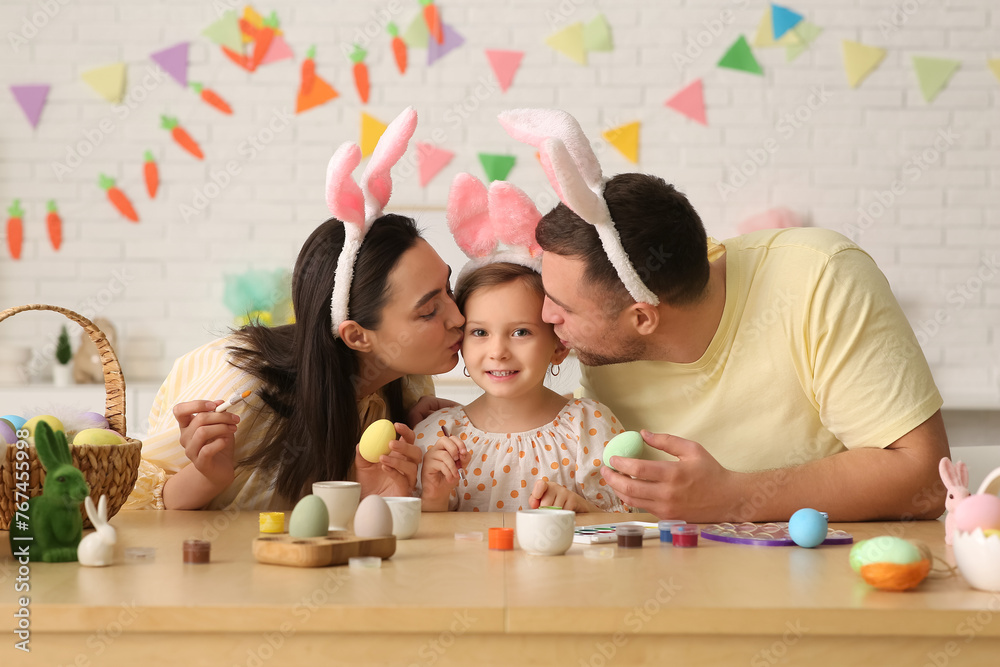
{"x": 695, "y": 488}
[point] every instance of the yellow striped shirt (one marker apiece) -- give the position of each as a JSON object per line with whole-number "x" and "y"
{"x": 206, "y": 374}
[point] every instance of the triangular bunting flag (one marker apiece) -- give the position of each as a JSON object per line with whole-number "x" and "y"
{"x": 504, "y": 64}
{"x": 430, "y": 161}
{"x": 107, "y": 81}
{"x": 860, "y": 61}
{"x": 690, "y": 101}
{"x": 626, "y": 140}
{"x": 783, "y": 19}
{"x": 253, "y": 17}
{"x": 933, "y": 74}
{"x": 740, "y": 57}
{"x": 597, "y": 35}
{"x": 31, "y": 98}
{"x": 995, "y": 66}
{"x": 496, "y": 166}
{"x": 321, "y": 92}
{"x": 807, "y": 34}
{"x": 226, "y": 31}
{"x": 371, "y": 132}
{"x": 174, "y": 62}
{"x": 417, "y": 35}
{"x": 279, "y": 50}
{"x": 764, "y": 38}
{"x": 452, "y": 40}
{"x": 569, "y": 42}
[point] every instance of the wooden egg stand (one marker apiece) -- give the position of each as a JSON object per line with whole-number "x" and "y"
{"x": 335, "y": 549}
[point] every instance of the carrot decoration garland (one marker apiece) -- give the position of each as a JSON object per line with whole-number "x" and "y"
{"x": 433, "y": 20}
{"x": 211, "y": 97}
{"x": 15, "y": 229}
{"x": 238, "y": 58}
{"x": 398, "y": 47}
{"x": 152, "y": 174}
{"x": 360, "y": 72}
{"x": 180, "y": 135}
{"x": 262, "y": 40}
{"x": 118, "y": 198}
{"x": 54, "y": 224}
{"x": 308, "y": 72}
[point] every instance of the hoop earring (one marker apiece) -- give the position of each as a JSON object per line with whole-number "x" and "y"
{"x": 555, "y": 370}
{"x": 465, "y": 371}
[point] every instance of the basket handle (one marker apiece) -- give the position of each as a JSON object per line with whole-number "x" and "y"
{"x": 114, "y": 381}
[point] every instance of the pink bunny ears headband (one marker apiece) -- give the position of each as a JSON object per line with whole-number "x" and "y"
{"x": 358, "y": 207}
{"x": 481, "y": 219}
{"x": 575, "y": 174}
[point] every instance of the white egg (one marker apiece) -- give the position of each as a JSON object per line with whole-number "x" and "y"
{"x": 373, "y": 518}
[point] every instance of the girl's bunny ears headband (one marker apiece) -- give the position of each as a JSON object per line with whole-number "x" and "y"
{"x": 575, "y": 174}
{"x": 481, "y": 219}
{"x": 358, "y": 207}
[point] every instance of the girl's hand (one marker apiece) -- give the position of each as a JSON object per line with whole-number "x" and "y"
{"x": 439, "y": 474}
{"x": 550, "y": 494}
{"x": 395, "y": 474}
{"x": 209, "y": 440}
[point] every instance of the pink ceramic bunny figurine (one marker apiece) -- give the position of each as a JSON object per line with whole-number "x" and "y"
{"x": 956, "y": 479}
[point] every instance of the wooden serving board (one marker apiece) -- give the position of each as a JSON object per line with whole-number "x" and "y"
{"x": 334, "y": 549}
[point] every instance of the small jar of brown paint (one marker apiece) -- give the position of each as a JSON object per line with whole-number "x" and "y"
{"x": 629, "y": 536}
{"x": 197, "y": 551}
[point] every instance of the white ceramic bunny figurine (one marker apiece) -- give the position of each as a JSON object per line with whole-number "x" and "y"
{"x": 97, "y": 548}
{"x": 956, "y": 479}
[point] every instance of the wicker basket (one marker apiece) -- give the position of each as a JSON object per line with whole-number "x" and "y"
{"x": 109, "y": 470}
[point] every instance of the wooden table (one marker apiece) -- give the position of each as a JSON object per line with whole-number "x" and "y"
{"x": 443, "y": 602}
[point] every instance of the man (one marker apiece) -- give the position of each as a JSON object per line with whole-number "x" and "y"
{"x": 777, "y": 367}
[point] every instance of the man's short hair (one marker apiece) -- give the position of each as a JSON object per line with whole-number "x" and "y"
{"x": 660, "y": 231}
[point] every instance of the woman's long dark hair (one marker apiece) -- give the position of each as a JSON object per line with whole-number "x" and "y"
{"x": 309, "y": 377}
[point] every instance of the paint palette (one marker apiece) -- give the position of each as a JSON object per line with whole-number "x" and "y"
{"x": 334, "y": 549}
{"x": 605, "y": 532}
{"x": 764, "y": 534}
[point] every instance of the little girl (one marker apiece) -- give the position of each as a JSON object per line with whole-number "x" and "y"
{"x": 520, "y": 445}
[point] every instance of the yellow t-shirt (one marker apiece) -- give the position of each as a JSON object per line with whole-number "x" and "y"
{"x": 813, "y": 356}
{"x": 205, "y": 373}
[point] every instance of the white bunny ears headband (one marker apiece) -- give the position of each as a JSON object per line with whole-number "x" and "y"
{"x": 481, "y": 219}
{"x": 575, "y": 174}
{"x": 358, "y": 207}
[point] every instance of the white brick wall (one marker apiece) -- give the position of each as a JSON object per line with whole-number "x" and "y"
{"x": 931, "y": 239}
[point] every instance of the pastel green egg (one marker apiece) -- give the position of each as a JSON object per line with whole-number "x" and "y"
{"x": 375, "y": 440}
{"x": 883, "y": 549}
{"x": 628, "y": 444}
{"x": 310, "y": 518}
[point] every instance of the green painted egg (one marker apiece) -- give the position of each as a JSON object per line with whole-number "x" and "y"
{"x": 629, "y": 445}
{"x": 310, "y": 518}
{"x": 883, "y": 549}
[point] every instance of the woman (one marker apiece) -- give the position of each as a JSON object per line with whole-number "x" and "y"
{"x": 317, "y": 383}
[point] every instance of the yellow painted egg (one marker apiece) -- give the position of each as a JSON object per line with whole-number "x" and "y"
{"x": 375, "y": 440}
{"x": 54, "y": 422}
{"x": 98, "y": 436}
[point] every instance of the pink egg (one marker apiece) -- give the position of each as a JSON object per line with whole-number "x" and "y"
{"x": 980, "y": 510}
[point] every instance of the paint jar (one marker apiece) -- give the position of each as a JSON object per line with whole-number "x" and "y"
{"x": 272, "y": 522}
{"x": 197, "y": 551}
{"x": 665, "y": 527}
{"x": 685, "y": 535}
{"x": 501, "y": 539}
{"x": 630, "y": 536}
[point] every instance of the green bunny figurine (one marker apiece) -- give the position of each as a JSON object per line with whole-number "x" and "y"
{"x": 53, "y": 526}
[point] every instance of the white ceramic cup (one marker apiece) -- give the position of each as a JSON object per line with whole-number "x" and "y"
{"x": 341, "y": 500}
{"x": 405, "y": 515}
{"x": 545, "y": 532}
